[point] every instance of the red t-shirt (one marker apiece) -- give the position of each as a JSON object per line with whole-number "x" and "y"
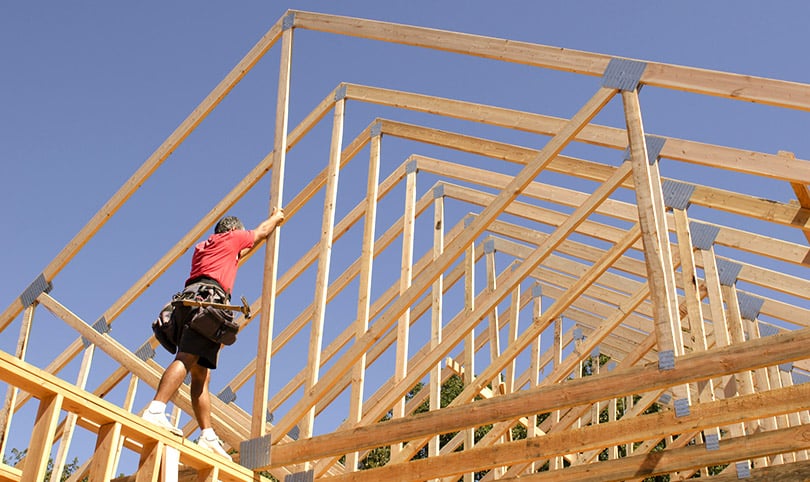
{"x": 217, "y": 256}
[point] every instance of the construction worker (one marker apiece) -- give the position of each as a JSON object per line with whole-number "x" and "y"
{"x": 214, "y": 263}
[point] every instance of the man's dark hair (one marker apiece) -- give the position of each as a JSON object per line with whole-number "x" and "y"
{"x": 228, "y": 223}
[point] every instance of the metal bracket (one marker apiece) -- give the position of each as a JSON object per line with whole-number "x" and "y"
{"x": 712, "y": 441}
{"x": 306, "y": 476}
{"x": 376, "y": 129}
{"x": 37, "y": 287}
{"x": 468, "y": 219}
{"x": 537, "y": 290}
{"x": 100, "y": 326}
{"x": 577, "y": 334}
{"x": 226, "y": 395}
{"x": 288, "y": 21}
{"x": 728, "y": 271}
{"x": 269, "y": 417}
{"x": 438, "y": 191}
{"x": 255, "y": 453}
{"x": 703, "y": 235}
{"x": 665, "y": 398}
{"x": 681, "y": 407}
{"x": 489, "y": 246}
{"x": 743, "y": 470}
{"x": 750, "y": 305}
{"x": 666, "y": 360}
{"x": 677, "y": 194}
{"x": 145, "y": 352}
{"x": 623, "y": 74}
{"x": 786, "y": 367}
{"x": 767, "y": 330}
{"x": 340, "y": 92}
{"x": 411, "y": 167}
{"x": 294, "y": 432}
{"x": 654, "y": 146}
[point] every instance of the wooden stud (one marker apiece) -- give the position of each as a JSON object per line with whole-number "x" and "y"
{"x": 436, "y": 318}
{"x": 42, "y": 434}
{"x": 265, "y": 338}
{"x": 324, "y": 262}
{"x": 102, "y": 468}
{"x": 7, "y": 412}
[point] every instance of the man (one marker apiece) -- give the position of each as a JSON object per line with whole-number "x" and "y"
{"x": 214, "y": 262}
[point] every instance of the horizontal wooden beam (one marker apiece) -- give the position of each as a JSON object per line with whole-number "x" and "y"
{"x": 689, "y": 79}
{"x": 709, "y": 155}
{"x": 753, "y": 354}
{"x": 594, "y": 437}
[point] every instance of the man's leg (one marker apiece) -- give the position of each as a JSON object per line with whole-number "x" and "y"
{"x": 174, "y": 375}
{"x": 200, "y": 400}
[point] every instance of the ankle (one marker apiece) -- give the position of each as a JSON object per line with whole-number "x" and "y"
{"x": 157, "y": 407}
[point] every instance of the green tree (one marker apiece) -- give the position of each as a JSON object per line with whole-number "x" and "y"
{"x": 18, "y": 455}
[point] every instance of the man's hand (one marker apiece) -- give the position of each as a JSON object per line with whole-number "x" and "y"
{"x": 267, "y": 226}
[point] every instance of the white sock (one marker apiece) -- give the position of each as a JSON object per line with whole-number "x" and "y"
{"x": 157, "y": 407}
{"x": 208, "y": 434}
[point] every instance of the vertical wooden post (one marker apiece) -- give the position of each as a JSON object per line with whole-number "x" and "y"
{"x": 265, "y": 349}
{"x": 71, "y": 418}
{"x": 469, "y": 341}
{"x": 405, "y": 279}
{"x": 364, "y": 295}
{"x": 208, "y": 475}
{"x": 534, "y": 364}
{"x": 149, "y": 463}
{"x": 436, "y": 314}
{"x": 514, "y": 316}
{"x": 44, "y": 430}
{"x": 655, "y": 238}
{"x": 694, "y": 306}
{"x": 324, "y": 261}
{"x": 721, "y": 329}
{"x": 556, "y": 350}
{"x": 11, "y": 393}
{"x": 101, "y": 469}
{"x": 494, "y": 327}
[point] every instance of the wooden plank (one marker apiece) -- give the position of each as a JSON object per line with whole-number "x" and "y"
{"x": 435, "y": 381}
{"x": 494, "y": 325}
{"x": 9, "y": 473}
{"x": 364, "y": 291}
{"x": 693, "y": 456}
{"x": 149, "y": 463}
{"x": 654, "y": 233}
{"x": 70, "y": 419}
{"x": 715, "y": 156}
{"x": 324, "y": 262}
{"x": 7, "y": 412}
{"x": 734, "y": 358}
{"x": 627, "y": 429}
{"x": 405, "y": 281}
{"x": 103, "y": 466}
{"x": 39, "y": 447}
{"x": 265, "y": 338}
{"x": 689, "y": 79}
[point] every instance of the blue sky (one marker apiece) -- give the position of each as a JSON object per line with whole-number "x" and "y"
{"x": 91, "y": 89}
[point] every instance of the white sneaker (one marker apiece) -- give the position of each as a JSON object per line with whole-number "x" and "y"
{"x": 214, "y": 445}
{"x": 159, "y": 419}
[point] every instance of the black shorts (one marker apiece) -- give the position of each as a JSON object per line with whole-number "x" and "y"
{"x": 195, "y": 344}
